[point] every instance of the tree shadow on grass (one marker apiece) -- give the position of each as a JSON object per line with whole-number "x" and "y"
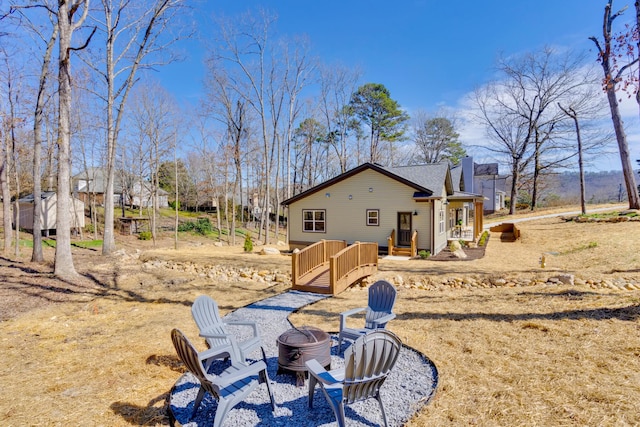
{"x": 629, "y": 313}
{"x": 152, "y": 414}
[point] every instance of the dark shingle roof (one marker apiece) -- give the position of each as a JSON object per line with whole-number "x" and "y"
{"x": 424, "y": 179}
{"x": 432, "y": 176}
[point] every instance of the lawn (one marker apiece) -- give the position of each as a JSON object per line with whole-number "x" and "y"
{"x": 512, "y": 346}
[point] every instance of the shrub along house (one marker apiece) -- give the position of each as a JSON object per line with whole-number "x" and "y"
{"x": 404, "y": 209}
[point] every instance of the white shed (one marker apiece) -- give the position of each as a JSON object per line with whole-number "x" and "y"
{"x": 48, "y": 212}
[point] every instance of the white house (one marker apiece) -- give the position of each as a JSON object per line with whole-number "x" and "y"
{"x": 397, "y": 207}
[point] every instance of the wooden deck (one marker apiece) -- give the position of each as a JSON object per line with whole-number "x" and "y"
{"x": 318, "y": 282}
{"x": 326, "y": 268}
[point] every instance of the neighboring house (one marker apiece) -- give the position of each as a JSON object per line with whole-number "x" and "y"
{"x": 371, "y": 202}
{"x": 48, "y": 214}
{"x": 136, "y": 192}
{"x": 94, "y": 181}
{"x": 484, "y": 179}
{"x": 141, "y": 195}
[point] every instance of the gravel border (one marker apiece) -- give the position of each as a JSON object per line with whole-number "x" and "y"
{"x": 410, "y": 385}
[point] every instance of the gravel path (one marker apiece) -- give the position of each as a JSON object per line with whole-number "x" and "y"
{"x": 410, "y": 385}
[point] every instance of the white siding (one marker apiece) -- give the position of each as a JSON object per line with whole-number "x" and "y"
{"x": 346, "y": 217}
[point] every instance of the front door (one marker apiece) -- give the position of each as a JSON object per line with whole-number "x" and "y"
{"x": 404, "y": 228}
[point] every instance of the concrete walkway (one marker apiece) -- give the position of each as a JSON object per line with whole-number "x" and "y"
{"x": 553, "y": 215}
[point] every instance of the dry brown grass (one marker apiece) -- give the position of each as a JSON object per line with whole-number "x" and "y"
{"x": 97, "y": 351}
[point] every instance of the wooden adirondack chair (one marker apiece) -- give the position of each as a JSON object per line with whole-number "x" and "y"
{"x": 222, "y": 344}
{"x": 230, "y": 387}
{"x": 382, "y": 297}
{"x": 367, "y": 364}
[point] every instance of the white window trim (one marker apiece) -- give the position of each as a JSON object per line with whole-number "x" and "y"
{"x": 314, "y": 221}
{"x": 377, "y": 218}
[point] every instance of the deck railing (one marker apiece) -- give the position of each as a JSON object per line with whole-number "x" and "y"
{"x": 461, "y": 233}
{"x": 313, "y": 257}
{"x": 352, "y": 263}
{"x": 390, "y": 240}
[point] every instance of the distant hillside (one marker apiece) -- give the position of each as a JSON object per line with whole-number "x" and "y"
{"x": 600, "y": 187}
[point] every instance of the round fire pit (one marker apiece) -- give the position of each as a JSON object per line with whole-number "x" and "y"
{"x": 298, "y": 345}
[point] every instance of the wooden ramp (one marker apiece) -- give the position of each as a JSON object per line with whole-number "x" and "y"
{"x": 330, "y": 266}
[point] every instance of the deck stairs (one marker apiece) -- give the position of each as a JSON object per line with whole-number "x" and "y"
{"x": 401, "y": 251}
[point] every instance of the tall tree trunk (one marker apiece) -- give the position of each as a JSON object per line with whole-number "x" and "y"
{"x": 623, "y": 147}
{"x": 63, "y": 266}
{"x": 515, "y": 174}
{"x": 536, "y": 174}
{"x": 12, "y": 160}
{"x": 6, "y": 194}
{"x": 637, "y": 4}
{"x": 574, "y": 116}
{"x": 38, "y": 138}
{"x": 177, "y": 204}
{"x": 610, "y": 87}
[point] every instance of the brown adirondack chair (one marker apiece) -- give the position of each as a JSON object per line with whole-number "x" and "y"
{"x": 379, "y": 311}
{"x": 230, "y": 387}
{"x": 367, "y": 364}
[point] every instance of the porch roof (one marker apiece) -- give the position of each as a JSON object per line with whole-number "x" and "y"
{"x": 461, "y": 196}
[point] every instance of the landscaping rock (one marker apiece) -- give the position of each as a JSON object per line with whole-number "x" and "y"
{"x": 459, "y": 253}
{"x": 269, "y": 251}
{"x": 567, "y": 279}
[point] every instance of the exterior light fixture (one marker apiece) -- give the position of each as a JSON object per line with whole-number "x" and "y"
{"x": 370, "y": 189}
{"x": 350, "y": 197}
{"x": 415, "y": 213}
{"x": 327, "y": 194}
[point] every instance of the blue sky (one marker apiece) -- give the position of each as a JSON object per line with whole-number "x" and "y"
{"x": 427, "y": 53}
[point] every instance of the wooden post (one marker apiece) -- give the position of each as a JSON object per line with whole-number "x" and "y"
{"x": 414, "y": 244}
{"x": 332, "y": 275}
{"x": 294, "y": 268}
{"x": 324, "y": 250}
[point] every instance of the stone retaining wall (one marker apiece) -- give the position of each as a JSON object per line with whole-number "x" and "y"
{"x": 222, "y": 273}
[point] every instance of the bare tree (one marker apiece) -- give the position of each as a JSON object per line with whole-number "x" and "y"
{"x": 337, "y": 83}
{"x": 132, "y": 33}
{"x": 571, "y": 112}
{"x": 584, "y": 107}
{"x": 67, "y": 25}
{"x": 612, "y": 77}
{"x": 509, "y": 134}
{"x": 230, "y": 109}
{"x": 247, "y": 48}
{"x": 298, "y": 69}
{"x": 5, "y": 163}
{"x": 521, "y": 115}
{"x": 39, "y": 120}
{"x": 154, "y": 124}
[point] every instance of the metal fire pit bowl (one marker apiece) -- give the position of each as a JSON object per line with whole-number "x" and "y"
{"x": 298, "y": 345}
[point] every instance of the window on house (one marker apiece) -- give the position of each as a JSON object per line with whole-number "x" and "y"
{"x": 373, "y": 217}
{"x": 441, "y": 220}
{"x": 313, "y": 221}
